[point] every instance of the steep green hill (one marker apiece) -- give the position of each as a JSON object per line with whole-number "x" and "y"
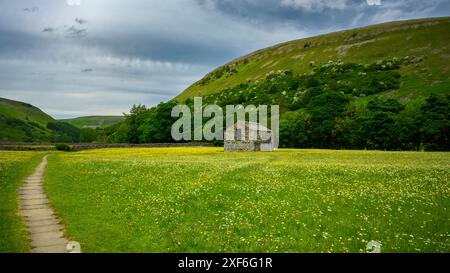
{"x": 381, "y": 87}
{"x": 23, "y": 111}
{"x": 21, "y": 121}
{"x": 94, "y": 121}
{"x": 424, "y": 44}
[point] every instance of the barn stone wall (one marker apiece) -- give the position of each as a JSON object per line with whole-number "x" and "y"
{"x": 241, "y": 146}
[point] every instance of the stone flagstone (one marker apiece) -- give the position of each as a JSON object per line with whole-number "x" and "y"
{"x": 45, "y": 229}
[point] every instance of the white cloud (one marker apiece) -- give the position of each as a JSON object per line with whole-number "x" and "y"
{"x": 403, "y": 10}
{"x": 316, "y": 5}
{"x": 373, "y": 2}
{"x": 53, "y": 80}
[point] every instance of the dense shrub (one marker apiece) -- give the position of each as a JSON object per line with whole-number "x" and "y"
{"x": 88, "y": 135}
{"x": 434, "y": 123}
{"x": 63, "y": 147}
{"x": 64, "y": 132}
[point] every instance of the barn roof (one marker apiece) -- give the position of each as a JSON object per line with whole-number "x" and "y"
{"x": 262, "y": 132}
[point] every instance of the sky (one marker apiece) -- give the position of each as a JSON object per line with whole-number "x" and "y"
{"x": 99, "y": 57}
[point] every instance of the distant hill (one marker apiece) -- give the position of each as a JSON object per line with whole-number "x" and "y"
{"x": 94, "y": 121}
{"x": 23, "y": 122}
{"x": 425, "y": 42}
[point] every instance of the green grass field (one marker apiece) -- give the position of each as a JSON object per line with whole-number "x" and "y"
{"x": 204, "y": 200}
{"x": 14, "y": 166}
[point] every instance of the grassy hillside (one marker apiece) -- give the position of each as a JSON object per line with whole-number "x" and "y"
{"x": 21, "y": 121}
{"x": 426, "y": 41}
{"x": 94, "y": 121}
{"x": 24, "y": 111}
{"x": 380, "y": 87}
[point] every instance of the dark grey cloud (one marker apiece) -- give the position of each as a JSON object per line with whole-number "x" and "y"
{"x": 74, "y": 32}
{"x": 49, "y": 29}
{"x": 102, "y": 56}
{"x": 319, "y": 16}
{"x": 32, "y": 9}
{"x": 80, "y": 21}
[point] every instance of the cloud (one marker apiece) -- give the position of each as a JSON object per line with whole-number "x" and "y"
{"x": 316, "y": 5}
{"x": 49, "y": 29}
{"x": 407, "y": 9}
{"x": 373, "y": 2}
{"x": 80, "y": 21}
{"x": 32, "y": 9}
{"x": 60, "y": 79}
{"x": 102, "y": 56}
{"x": 74, "y": 2}
{"x": 74, "y": 32}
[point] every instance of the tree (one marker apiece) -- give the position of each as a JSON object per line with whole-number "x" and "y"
{"x": 88, "y": 135}
{"x": 379, "y": 128}
{"x": 156, "y": 124}
{"x": 64, "y": 132}
{"x": 324, "y": 110}
{"x": 133, "y": 122}
{"x": 137, "y": 109}
{"x": 294, "y": 128}
{"x": 434, "y": 123}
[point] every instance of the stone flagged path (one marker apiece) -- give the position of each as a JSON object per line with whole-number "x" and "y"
{"x": 45, "y": 229}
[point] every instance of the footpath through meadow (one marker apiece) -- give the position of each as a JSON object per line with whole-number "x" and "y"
{"x": 45, "y": 229}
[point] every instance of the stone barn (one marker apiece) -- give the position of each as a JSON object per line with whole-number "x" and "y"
{"x": 248, "y": 137}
